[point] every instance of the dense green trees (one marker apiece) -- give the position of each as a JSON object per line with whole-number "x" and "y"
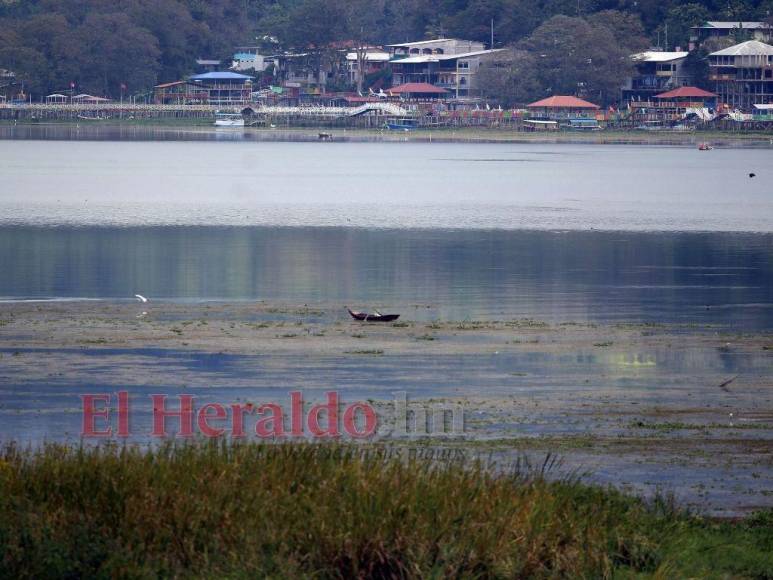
{"x": 511, "y": 78}
{"x": 102, "y": 44}
{"x": 576, "y": 55}
{"x": 567, "y": 55}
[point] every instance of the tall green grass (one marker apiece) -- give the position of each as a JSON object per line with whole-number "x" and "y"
{"x": 328, "y": 511}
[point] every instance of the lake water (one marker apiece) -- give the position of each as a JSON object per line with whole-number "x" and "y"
{"x": 435, "y": 231}
{"x": 720, "y": 278}
{"x": 383, "y": 184}
{"x": 563, "y": 232}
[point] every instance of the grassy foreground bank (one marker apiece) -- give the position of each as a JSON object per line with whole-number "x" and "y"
{"x": 296, "y": 510}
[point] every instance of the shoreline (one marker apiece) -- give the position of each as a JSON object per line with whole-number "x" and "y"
{"x": 184, "y": 127}
{"x": 637, "y": 406}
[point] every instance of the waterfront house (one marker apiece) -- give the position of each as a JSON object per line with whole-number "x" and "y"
{"x": 742, "y": 75}
{"x": 687, "y": 104}
{"x": 451, "y": 64}
{"x": 689, "y": 97}
{"x": 223, "y": 87}
{"x": 562, "y": 108}
{"x": 56, "y": 99}
{"x": 761, "y": 31}
{"x": 174, "y": 93}
{"x": 418, "y": 91}
{"x": 84, "y": 99}
{"x": 655, "y": 72}
{"x": 683, "y": 105}
{"x": 212, "y": 88}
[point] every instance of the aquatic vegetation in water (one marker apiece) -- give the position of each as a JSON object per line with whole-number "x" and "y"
{"x": 681, "y": 426}
{"x": 373, "y": 352}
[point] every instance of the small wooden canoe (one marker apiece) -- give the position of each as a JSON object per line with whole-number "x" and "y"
{"x": 373, "y": 317}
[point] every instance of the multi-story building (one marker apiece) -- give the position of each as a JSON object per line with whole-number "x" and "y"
{"x": 248, "y": 58}
{"x": 448, "y": 63}
{"x": 375, "y": 60}
{"x": 761, "y": 31}
{"x": 742, "y": 75}
{"x": 438, "y": 46}
{"x": 655, "y": 73}
{"x": 212, "y": 88}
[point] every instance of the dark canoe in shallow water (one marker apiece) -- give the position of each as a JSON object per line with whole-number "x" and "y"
{"x": 375, "y": 317}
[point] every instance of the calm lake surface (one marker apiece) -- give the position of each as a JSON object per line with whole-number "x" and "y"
{"x": 383, "y": 184}
{"x": 720, "y": 278}
{"x": 562, "y": 232}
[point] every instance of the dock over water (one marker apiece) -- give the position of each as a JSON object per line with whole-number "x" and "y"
{"x": 366, "y": 115}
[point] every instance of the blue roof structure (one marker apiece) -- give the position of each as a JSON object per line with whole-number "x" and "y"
{"x": 220, "y": 76}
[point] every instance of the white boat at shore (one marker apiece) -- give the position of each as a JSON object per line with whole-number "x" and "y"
{"x": 229, "y": 120}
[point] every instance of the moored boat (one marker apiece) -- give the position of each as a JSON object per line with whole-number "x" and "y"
{"x": 401, "y": 124}
{"x": 228, "y": 120}
{"x": 375, "y": 316}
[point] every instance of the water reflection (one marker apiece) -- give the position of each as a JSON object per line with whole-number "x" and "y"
{"x": 687, "y": 278}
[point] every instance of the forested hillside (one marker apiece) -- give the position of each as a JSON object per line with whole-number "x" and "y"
{"x": 103, "y": 44}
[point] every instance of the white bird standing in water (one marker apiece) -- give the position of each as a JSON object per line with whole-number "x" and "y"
{"x": 141, "y": 298}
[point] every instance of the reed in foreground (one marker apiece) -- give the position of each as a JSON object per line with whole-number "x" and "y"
{"x": 298, "y": 510}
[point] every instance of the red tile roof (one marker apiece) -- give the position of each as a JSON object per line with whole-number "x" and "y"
{"x": 685, "y": 92}
{"x": 562, "y": 102}
{"x": 419, "y": 88}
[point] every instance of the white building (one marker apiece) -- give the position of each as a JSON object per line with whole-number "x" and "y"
{"x": 761, "y": 31}
{"x": 656, "y": 72}
{"x": 742, "y": 75}
{"x": 248, "y": 59}
{"x": 448, "y": 63}
{"x": 440, "y": 46}
{"x": 374, "y": 60}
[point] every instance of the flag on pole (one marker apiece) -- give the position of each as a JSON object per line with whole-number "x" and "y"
{"x": 123, "y": 86}
{"x": 72, "y": 84}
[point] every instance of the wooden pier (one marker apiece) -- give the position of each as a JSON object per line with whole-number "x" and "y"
{"x": 369, "y": 115}
{"x": 51, "y": 112}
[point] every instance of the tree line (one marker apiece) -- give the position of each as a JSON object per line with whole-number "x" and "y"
{"x": 107, "y": 46}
